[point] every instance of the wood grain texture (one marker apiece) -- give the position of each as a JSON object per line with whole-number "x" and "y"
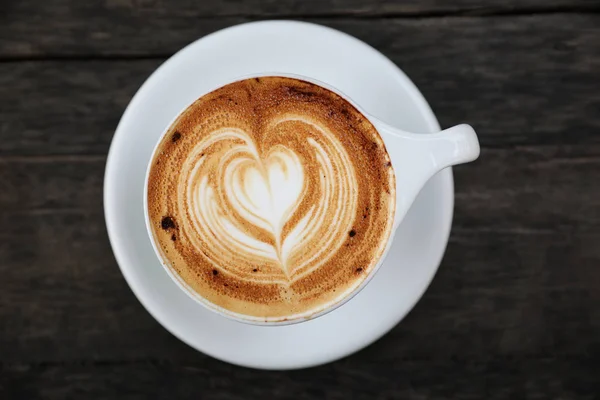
{"x": 50, "y": 108}
{"x": 535, "y": 189}
{"x": 514, "y": 310}
{"x": 518, "y": 81}
{"x": 503, "y": 378}
{"x": 30, "y": 27}
{"x": 130, "y": 33}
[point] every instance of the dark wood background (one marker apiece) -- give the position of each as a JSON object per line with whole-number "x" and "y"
{"x": 514, "y": 311}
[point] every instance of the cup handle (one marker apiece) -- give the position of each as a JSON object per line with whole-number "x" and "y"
{"x": 417, "y": 157}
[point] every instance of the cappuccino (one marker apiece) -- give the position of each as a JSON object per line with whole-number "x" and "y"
{"x": 271, "y": 198}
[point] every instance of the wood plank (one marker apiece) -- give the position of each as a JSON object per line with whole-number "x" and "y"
{"x": 51, "y": 108}
{"x": 501, "y": 378}
{"x": 533, "y": 188}
{"x": 519, "y": 81}
{"x": 30, "y": 27}
{"x": 51, "y": 184}
{"x": 78, "y": 32}
{"x": 63, "y": 296}
{"x": 513, "y": 293}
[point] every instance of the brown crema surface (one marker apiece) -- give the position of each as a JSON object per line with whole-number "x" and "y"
{"x": 271, "y": 197}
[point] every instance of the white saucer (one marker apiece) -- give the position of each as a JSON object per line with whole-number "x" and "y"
{"x": 325, "y": 54}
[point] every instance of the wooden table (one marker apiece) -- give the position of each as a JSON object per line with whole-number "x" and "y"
{"x": 514, "y": 310}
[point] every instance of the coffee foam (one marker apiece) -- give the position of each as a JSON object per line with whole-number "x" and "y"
{"x": 271, "y": 197}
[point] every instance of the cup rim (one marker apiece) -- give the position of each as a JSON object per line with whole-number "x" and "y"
{"x": 244, "y": 318}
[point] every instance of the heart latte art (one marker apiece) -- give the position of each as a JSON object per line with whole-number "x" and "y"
{"x": 271, "y": 198}
{"x": 254, "y": 207}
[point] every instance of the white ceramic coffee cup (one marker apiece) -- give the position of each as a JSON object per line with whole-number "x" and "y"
{"x": 415, "y": 158}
